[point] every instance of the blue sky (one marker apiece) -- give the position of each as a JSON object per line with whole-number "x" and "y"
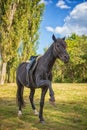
{"x": 62, "y": 18}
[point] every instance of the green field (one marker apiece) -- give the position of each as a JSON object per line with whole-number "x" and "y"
{"x": 69, "y": 112}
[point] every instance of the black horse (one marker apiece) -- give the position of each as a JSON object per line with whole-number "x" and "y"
{"x": 40, "y": 76}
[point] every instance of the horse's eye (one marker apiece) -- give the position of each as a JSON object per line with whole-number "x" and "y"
{"x": 57, "y": 45}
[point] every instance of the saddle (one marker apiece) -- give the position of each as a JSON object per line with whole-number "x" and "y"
{"x": 31, "y": 65}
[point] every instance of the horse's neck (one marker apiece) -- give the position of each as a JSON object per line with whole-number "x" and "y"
{"x": 49, "y": 59}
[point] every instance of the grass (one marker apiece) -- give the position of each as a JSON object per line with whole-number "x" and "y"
{"x": 69, "y": 112}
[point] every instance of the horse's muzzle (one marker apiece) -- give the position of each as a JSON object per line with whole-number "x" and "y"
{"x": 66, "y": 59}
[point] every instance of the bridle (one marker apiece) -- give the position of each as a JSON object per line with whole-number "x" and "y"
{"x": 58, "y": 49}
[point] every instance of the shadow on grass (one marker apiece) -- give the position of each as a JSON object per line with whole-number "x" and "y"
{"x": 64, "y": 116}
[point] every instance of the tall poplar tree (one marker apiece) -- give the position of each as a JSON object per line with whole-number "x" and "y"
{"x": 19, "y": 22}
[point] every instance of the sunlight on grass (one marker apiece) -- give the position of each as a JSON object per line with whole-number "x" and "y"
{"x": 69, "y": 112}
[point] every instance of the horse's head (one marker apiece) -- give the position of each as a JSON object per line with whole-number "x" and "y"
{"x": 59, "y": 49}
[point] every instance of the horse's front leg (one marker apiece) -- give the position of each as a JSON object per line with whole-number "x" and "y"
{"x": 32, "y": 91}
{"x": 44, "y": 90}
{"x": 47, "y": 83}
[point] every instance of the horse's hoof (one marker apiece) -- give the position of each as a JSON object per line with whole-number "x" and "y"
{"x": 19, "y": 114}
{"x": 36, "y": 113}
{"x": 52, "y": 102}
{"x": 52, "y": 99}
{"x": 42, "y": 122}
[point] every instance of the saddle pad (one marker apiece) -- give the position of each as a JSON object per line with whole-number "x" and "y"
{"x": 31, "y": 69}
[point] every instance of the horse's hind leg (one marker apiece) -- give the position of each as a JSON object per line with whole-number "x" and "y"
{"x": 32, "y": 91}
{"x": 20, "y": 100}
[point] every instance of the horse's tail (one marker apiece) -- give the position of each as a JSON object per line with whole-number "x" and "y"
{"x": 19, "y": 96}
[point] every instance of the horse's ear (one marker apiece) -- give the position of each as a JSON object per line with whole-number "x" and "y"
{"x": 54, "y": 38}
{"x": 63, "y": 38}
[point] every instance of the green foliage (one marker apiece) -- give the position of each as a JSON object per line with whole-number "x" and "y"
{"x": 76, "y": 69}
{"x": 20, "y": 20}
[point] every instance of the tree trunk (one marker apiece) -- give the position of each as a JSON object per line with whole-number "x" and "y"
{"x": 13, "y": 76}
{"x": 3, "y": 73}
{"x": 8, "y": 76}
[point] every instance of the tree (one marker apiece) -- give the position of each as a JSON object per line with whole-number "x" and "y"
{"x": 76, "y": 48}
{"x": 7, "y": 11}
{"x": 19, "y": 21}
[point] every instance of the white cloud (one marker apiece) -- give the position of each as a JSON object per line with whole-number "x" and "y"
{"x": 61, "y": 4}
{"x": 50, "y": 29}
{"x": 45, "y": 2}
{"x": 76, "y": 22}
